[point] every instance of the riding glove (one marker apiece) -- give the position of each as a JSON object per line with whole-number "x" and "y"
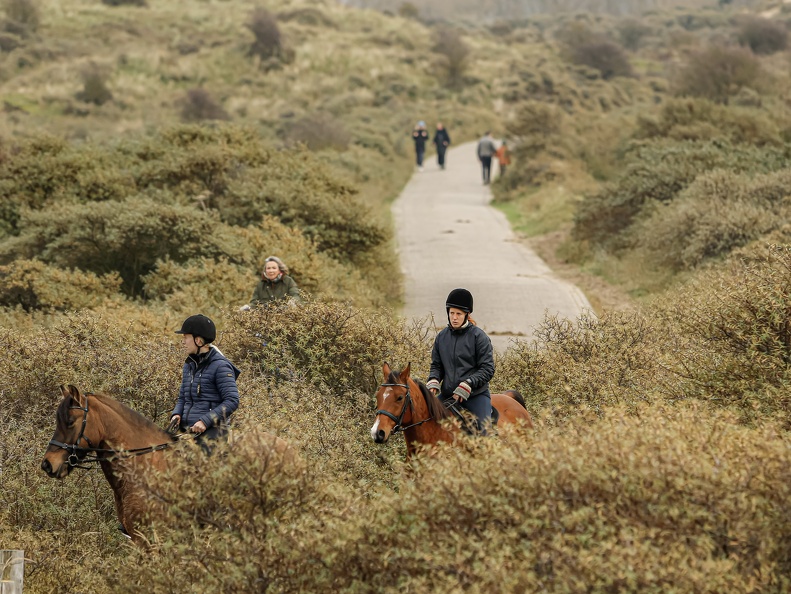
{"x": 463, "y": 391}
{"x": 433, "y": 384}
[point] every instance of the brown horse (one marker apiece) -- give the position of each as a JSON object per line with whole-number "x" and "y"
{"x": 404, "y": 404}
{"x": 97, "y": 428}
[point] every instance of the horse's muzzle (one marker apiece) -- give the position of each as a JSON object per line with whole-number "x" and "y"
{"x": 60, "y": 472}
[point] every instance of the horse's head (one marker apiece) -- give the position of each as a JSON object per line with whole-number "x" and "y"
{"x": 74, "y": 436}
{"x": 393, "y": 404}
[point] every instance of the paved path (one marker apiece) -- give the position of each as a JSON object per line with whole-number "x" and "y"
{"x": 449, "y": 236}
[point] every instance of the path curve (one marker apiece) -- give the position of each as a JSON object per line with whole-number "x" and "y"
{"x": 449, "y": 236}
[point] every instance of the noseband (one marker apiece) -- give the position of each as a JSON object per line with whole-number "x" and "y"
{"x": 400, "y": 418}
{"x": 75, "y": 449}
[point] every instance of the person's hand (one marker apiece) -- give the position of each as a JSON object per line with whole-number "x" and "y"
{"x": 175, "y": 421}
{"x": 245, "y": 307}
{"x": 462, "y": 392}
{"x": 198, "y": 427}
{"x": 433, "y": 386}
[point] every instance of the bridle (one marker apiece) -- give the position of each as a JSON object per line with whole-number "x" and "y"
{"x": 78, "y": 453}
{"x": 400, "y": 418}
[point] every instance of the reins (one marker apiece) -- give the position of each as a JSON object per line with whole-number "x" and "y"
{"x": 74, "y": 449}
{"x": 400, "y": 418}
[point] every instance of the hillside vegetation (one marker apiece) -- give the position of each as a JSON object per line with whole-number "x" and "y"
{"x": 154, "y": 154}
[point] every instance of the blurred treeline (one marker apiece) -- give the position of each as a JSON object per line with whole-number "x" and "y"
{"x": 154, "y": 154}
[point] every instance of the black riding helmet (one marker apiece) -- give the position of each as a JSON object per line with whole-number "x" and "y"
{"x": 460, "y": 299}
{"x": 199, "y": 325}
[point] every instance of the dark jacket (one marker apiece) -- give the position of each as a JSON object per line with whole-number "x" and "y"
{"x": 267, "y": 290}
{"x": 441, "y": 139}
{"x": 463, "y": 355}
{"x": 208, "y": 390}
{"x": 420, "y": 137}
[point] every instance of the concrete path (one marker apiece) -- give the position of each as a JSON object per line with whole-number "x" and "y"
{"x": 449, "y": 236}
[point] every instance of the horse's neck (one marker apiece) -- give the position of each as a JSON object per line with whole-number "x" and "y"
{"x": 121, "y": 433}
{"x": 430, "y": 431}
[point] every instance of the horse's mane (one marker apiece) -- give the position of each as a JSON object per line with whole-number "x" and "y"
{"x": 129, "y": 414}
{"x": 435, "y": 409}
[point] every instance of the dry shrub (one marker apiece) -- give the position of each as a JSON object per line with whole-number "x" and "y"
{"x": 310, "y": 16}
{"x": 454, "y": 53}
{"x": 603, "y": 55}
{"x": 717, "y": 73}
{"x": 318, "y": 132}
{"x": 94, "y": 86}
{"x": 656, "y": 173}
{"x": 588, "y": 364}
{"x": 33, "y": 285}
{"x": 729, "y": 337}
{"x": 716, "y": 214}
{"x": 595, "y": 502}
{"x": 701, "y": 119}
{"x": 268, "y": 42}
{"x": 763, "y": 36}
{"x": 327, "y": 344}
{"x": 198, "y": 105}
{"x": 24, "y": 15}
{"x": 632, "y": 32}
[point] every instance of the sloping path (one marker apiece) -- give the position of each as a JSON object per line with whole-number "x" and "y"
{"x": 449, "y": 236}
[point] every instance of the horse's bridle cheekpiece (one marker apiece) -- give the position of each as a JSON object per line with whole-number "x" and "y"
{"x": 400, "y": 418}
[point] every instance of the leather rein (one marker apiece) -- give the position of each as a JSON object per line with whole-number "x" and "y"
{"x": 75, "y": 449}
{"x": 400, "y": 418}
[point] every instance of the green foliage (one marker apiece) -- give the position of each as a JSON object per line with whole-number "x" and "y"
{"x": 454, "y": 53}
{"x": 701, "y": 119}
{"x": 719, "y": 212}
{"x": 198, "y": 105}
{"x": 268, "y": 42}
{"x": 127, "y": 237}
{"x": 717, "y": 73}
{"x": 655, "y": 173}
{"x": 763, "y": 36}
{"x": 319, "y": 132}
{"x": 23, "y": 13}
{"x": 94, "y": 86}
{"x": 32, "y": 285}
{"x": 632, "y": 32}
{"x": 603, "y": 55}
{"x": 326, "y": 344}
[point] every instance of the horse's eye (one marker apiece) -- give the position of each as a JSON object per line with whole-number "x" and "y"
{"x": 400, "y": 398}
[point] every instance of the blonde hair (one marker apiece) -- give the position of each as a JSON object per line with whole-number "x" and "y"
{"x": 283, "y": 268}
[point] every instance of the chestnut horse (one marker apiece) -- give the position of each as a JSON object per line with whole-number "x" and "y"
{"x": 404, "y": 404}
{"x": 97, "y": 428}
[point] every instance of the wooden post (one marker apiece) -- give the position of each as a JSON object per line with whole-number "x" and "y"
{"x": 12, "y": 571}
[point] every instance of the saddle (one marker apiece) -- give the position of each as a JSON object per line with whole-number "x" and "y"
{"x": 451, "y": 406}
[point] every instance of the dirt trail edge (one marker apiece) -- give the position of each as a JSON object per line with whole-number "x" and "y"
{"x": 449, "y": 236}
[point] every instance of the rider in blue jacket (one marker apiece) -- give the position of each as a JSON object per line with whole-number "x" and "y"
{"x": 462, "y": 361}
{"x": 208, "y": 394}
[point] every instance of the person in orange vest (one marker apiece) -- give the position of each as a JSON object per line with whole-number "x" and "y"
{"x": 503, "y": 155}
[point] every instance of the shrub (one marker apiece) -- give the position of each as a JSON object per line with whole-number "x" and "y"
{"x": 454, "y": 53}
{"x": 603, "y": 55}
{"x": 125, "y": 2}
{"x": 94, "y": 86}
{"x": 719, "y": 212}
{"x": 763, "y": 36}
{"x": 268, "y": 41}
{"x": 32, "y": 285}
{"x": 632, "y": 32}
{"x": 409, "y": 11}
{"x": 717, "y": 73}
{"x": 318, "y": 132}
{"x": 23, "y": 14}
{"x": 127, "y": 238}
{"x": 655, "y": 173}
{"x": 198, "y": 105}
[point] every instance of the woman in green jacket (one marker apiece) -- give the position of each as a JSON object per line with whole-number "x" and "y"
{"x": 275, "y": 283}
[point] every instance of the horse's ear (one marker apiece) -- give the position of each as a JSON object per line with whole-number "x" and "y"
{"x": 64, "y": 391}
{"x": 405, "y": 373}
{"x": 386, "y": 369}
{"x": 74, "y": 392}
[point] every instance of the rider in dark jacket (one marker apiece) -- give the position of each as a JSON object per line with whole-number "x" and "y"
{"x": 208, "y": 394}
{"x": 462, "y": 361}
